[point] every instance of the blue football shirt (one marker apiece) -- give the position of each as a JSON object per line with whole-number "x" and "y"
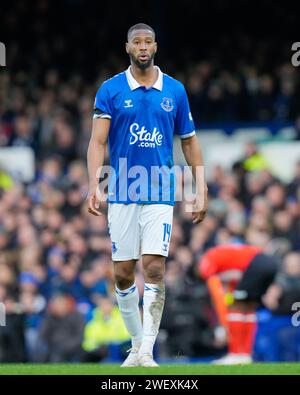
{"x": 143, "y": 123}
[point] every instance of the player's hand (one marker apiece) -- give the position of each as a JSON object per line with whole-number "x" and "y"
{"x": 271, "y": 298}
{"x": 270, "y": 302}
{"x": 200, "y": 206}
{"x": 93, "y": 203}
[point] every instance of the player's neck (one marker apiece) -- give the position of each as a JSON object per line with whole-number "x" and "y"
{"x": 145, "y": 77}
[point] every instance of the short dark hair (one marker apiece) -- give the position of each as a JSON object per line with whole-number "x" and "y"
{"x": 140, "y": 26}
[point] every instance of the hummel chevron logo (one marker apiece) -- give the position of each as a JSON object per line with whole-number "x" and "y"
{"x": 128, "y": 103}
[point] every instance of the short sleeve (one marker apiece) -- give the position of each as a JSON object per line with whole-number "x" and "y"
{"x": 102, "y": 105}
{"x": 184, "y": 124}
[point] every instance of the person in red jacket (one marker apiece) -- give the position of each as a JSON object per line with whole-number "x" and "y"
{"x": 244, "y": 272}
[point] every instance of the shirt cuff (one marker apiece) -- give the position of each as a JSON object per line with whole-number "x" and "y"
{"x": 102, "y": 116}
{"x": 185, "y": 136}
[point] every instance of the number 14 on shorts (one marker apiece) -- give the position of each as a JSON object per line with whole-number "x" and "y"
{"x": 167, "y": 235}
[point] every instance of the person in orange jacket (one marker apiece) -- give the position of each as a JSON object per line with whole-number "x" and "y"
{"x": 245, "y": 273}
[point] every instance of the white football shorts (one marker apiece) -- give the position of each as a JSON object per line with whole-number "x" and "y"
{"x": 138, "y": 229}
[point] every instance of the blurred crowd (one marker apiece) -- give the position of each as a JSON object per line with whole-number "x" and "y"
{"x": 56, "y": 279}
{"x": 52, "y": 250}
{"x": 53, "y": 72}
{"x": 54, "y": 117}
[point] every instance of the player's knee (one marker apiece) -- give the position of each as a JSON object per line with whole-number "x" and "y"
{"x": 124, "y": 278}
{"x": 154, "y": 272}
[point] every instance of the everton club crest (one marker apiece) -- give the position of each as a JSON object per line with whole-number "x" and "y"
{"x": 167, "y": 104}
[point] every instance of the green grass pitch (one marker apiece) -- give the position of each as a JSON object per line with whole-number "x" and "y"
{"x": 180, "y": 369}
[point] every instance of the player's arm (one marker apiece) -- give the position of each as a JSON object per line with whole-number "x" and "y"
{"x": 217, "y": 294}
{"x": 95, "y": 159}
{"x": 271, "y": 298}
{"x": 193, "y": 156}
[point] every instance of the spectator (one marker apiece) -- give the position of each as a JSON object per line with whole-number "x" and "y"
{"x": 254, "y": 160}
{"x": 286, "y": 287}
{"x": 105, "y": 329}
{"x": 6, "y": 181}
{"x": 61, "y": 331}
{"x": 12, "y": 340}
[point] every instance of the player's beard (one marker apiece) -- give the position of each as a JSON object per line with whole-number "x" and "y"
{"x": 142, "y": 65}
